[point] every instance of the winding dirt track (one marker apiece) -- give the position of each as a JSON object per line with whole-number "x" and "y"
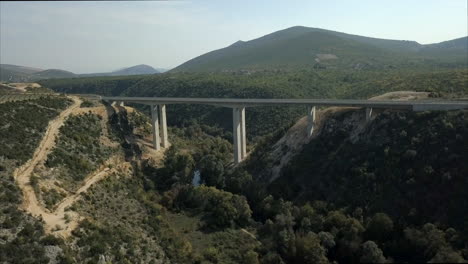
{"x": 55, "y": 222}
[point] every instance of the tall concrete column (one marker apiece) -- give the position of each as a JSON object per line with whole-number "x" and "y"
{"x": 243, "y": 134}
{"x": 310, "y": 120}
{"x": 163, "y": 122}
{"x": 368, "y": 114}
{"x": 237, "y": 131}
{"x": 155, "y": 127}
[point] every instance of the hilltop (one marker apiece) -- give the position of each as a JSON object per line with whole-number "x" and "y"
{"x": 303, "y": 47}
{"x": 134, "y": 70}
{"x": 15, "y": 73}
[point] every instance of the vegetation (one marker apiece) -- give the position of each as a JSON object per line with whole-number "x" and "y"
{"x": 140, "y": 212}
{"x": 264, "y": 120}
{"x": 390, "y": 191}
{"x": 23, "y": 124}
{"x": 50, "y": 197}
{"x": 78, "y": 150}
{"x": 385, "y": 161}
{"x": 22, "y": 238}
{"x": 302, "y": 47}
{"x": 337, "y": 218}
{"x": 395, "y": 165}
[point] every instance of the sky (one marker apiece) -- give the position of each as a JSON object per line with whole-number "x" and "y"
{"x": 86, "y": 37}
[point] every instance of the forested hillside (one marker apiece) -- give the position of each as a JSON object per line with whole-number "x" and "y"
{"x": 352, "y": 195}
{"x": 396, "y": 164}
{"x": 264, "y": 120}
{"x": 305, "y": 48}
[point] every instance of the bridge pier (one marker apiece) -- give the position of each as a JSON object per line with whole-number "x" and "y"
{"x": 117, "y": 103}
{"x": 368, "y": 114}
{"x": 239, "y": 134}
{"x": 155, "y": 127}
{"x": 243, "y": 134}
{"x": 159, "y": 126}
{"x": 310, "y": 120}
{"x": 163, "y": 123}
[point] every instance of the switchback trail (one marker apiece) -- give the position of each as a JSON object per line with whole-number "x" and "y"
{"x": 55, "y": 222}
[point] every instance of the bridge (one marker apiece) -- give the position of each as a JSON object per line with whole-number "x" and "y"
{"x": 159, "y": 119}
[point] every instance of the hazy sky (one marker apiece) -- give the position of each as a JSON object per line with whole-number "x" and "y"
{"x": 103, "y": 36}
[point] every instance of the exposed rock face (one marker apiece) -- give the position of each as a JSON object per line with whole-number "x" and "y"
{"x": 327, "y": 120}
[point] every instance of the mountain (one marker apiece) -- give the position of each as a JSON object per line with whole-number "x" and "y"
{"x": 300, "y": 47}
{"x": 134, "y": 70}
{"x": 52, "y": 73}
{"x": 20, "y": 69}
{"x": 15, "y": 73}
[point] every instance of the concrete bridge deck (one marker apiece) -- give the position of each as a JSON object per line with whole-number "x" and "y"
{"x": 158, "y": 112}
{"x": 239, "y": 102}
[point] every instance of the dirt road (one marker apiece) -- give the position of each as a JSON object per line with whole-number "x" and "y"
{"x": 57, "y": 222}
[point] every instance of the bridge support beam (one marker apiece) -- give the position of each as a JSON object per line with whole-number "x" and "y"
{"x": 240, "y": 142}
{"x": 159, "y": 126}
{"x": 243, "y": 133}
{"x": 155, "y": 127}
{"x": 368, "y": 114}
{"x": 310, "y": 120}
{"x": 163, "y": 123}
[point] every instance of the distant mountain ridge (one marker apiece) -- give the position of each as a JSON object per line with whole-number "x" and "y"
{"x": 299, "y": 47}
{"x": 15, "y": 73}
{"x": 134, "y": 70}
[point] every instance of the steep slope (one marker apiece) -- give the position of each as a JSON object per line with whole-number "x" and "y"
{"x": 290, "y": 143}
{"x": 298, "y": 47}
{"x": 395, "y": 164}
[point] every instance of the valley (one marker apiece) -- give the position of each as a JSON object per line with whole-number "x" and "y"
{"x": 88, "y": 202}
{"x": 304, "y": 145}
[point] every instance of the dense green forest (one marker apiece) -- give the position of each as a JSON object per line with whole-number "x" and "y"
{"x": 269, "y": 84}
{"x": 362, "y": 201}
{"x": 303, "y": 47}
